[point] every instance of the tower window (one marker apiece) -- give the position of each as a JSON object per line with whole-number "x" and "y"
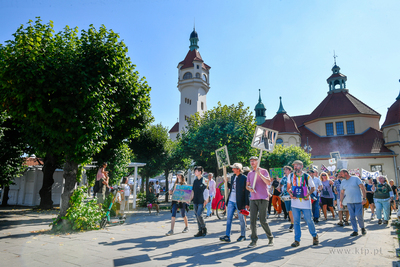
{"x": 204, "y": 78}
{"x": 339, "y": 128}
{"x": 329, "y": 129}
{"x": 187, "y": 75}
{"x": 197, "y": 75}
{"x": 350, "y": 127}
{"x": 197, "y": 66}
{"x": 202, "y": 106}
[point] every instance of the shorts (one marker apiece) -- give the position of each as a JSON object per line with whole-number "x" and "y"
{"x": 157, "y": 195}
{"x": 175, "y": 207}
{"x": 100, "y": 198}
{"x": 327, "y": 201}
{"x": 288, "y": 205}
{"x": 339, "y": 208}
{"x": 370, "y": 198}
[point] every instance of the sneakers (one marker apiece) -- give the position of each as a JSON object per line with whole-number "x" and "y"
{"x": 291, "y": 228}
{"x": 185, "y": 230}
{"x": 241, "y": 238}
{"x": 363, "y": 231}
{"x": 204, "y": 231}
{"x": 354, "y": 234}
{"x": 379, "y": 221}
{"x": 271, "y": 241}
{"x": 226, "y": 239}
{"x": 315, "y": 240}
{"x": 340, "y": 223}
{"x": 372, "y": 216}
{"x": 200, "y": 233}
{"x": 279, "y": 215}
{"x": 385, "y": 222}
{"x": 295, "y": 244}
{"x": 346, "y": 223}
{"x": 253, "y": 244}
{"x": 171, "y": 232}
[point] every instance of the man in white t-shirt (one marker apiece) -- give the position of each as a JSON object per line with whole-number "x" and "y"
{"x": 298, "y": 186}
{"x": 157, "y": 189}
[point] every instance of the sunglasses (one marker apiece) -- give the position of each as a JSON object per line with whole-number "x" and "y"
{"x": 323, "y": 175}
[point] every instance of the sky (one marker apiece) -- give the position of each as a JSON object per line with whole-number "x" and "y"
{"x": 285, "y": 48}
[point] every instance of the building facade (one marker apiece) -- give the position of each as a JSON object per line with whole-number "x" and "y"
{"x": 193, "y": 85}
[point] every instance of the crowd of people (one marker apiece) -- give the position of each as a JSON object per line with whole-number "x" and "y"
{"x": 298, "y": 195}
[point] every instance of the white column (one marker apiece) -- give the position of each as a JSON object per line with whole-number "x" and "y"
{"x": 134, "y": 188}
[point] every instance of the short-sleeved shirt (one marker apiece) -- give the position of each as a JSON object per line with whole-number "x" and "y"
{"x": 317, "y": 182}
{"x": 301, "y": 203}
{"x": 352, "y": 189}
{"x": 260, "y": 188}
{"x": 326, "y": 190}
{"x": 283, "y": 182}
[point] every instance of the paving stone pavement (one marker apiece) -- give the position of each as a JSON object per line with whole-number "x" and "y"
{"x": 141, "y": 241}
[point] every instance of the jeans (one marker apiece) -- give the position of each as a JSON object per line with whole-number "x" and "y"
{"x": 259, "y": 206}
{"x": 356, "y": 214}
{"x": 296, "y": 220}
{"x": 232, "y": 206}
{"x": 382, "y": 204}
{"x": 198, "y": 211}
{"x": 315, "y": 208}
{"x": 208, "y": 206}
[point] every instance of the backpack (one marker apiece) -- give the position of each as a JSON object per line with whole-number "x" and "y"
{"x": 96, "y": 187}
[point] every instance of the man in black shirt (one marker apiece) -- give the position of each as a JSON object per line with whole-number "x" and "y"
{"x": 200, "y": 198}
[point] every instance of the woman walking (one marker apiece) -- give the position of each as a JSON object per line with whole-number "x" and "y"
{"x": 327, "y": 195}
{"x": 369, "y": 187}
{"x": 382, "y": 199}
{"x": 180, "y": 180}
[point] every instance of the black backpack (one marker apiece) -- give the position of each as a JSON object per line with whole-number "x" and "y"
{"x": 96, "y": 187}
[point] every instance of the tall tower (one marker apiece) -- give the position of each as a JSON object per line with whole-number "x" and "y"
{"x": 337, "y": 81}
{"x": 193, "y": 84}
{"x": 260, "y": 110}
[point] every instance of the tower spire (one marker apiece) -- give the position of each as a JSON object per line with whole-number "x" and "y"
{"x": 334, "y": 57}
{"x": 398, "y": 97}
{"x": 194, "y": 39}
{"x": 260, "y": 110}
{"x": 281, "y": 109}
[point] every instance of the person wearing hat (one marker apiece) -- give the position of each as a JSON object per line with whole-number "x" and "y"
{"x": 180, "y": 180}
{"x": 238, "y": 199}
{"x": 318, "y": 187}
{"x": 258, "y": 201}
{"x": 300, "y": 186}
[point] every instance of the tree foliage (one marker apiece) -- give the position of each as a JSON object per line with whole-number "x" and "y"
{"x": 285, "y": 155}
{"x": 232, "y": 126}
{"x": 76, "y": 91}
{"x": 151, "y": 147}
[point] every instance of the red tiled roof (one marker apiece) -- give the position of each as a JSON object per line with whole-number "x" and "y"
{"x": 282, "y": 123}
{"x": 31, "y": 161}
{"x": 336, "y": 75}
{"x": 300, "y": 120}
{"x": 371, "y": 141}
{"x": 191, "y": 56}
{"x": 393, "y": 114}
{"x": 341, "y": 103}
{"x": 174, "y": 128}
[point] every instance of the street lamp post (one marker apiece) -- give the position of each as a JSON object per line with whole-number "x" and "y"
{"x": 307, "y": 147}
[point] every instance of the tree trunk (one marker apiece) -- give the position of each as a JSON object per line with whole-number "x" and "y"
{"x": 147, "y": 186}
{"x": 70, "y": 172}
{"x": 166, "y": 173}
{"x": 142, "y": 186}
{"x": 49, "y": 168}
{"x": 5, "y": 196}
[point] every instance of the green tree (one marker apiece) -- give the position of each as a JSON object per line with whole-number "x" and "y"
{"x": 151, "y": 148}
{"x": 285, "y": 155}
{"x": 75, "y": 91}
{"x": 12, "y": 148}
{"x": 232, "y": 126}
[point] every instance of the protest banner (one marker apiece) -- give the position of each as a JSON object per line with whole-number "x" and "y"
{"x": 223, "y": 162}
{"x": 276, "y": 172}
{"x": 182, "y": 193}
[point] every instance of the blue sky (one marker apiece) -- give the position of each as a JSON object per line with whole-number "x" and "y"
{"x": 285, "y": 48}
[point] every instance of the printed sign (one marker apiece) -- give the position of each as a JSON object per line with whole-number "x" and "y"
{"x": 276, "y": 172}
{"x": 365, "y": 174}
{"x": 299, "y": 191}
{"x": 355, "y": 172}
{"x": 182, "y": 193}
{"x": 264, "y": 139}
{"x": 342, "y": 164}
{"x": 222, "y": 157}
{"x": 332, "y": 161}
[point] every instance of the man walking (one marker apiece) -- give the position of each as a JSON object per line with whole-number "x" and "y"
{"x": 212, "y": 190}
{"x": 318, "y": 187}
{"x": 352, "y": 187}
{"x": 200, "y": 197}
{"x": 298, "y": 186}
{"x": 258, "y": 201}
{"x": 238, "y": 199}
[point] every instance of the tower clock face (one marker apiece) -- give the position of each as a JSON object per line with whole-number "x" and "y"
{"x": 204, "y": 78}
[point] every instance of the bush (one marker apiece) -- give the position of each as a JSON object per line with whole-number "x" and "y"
{"x": 142, "y": 200}
{"x": 80, "y": 215}
{"x": 107, "y": 203}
